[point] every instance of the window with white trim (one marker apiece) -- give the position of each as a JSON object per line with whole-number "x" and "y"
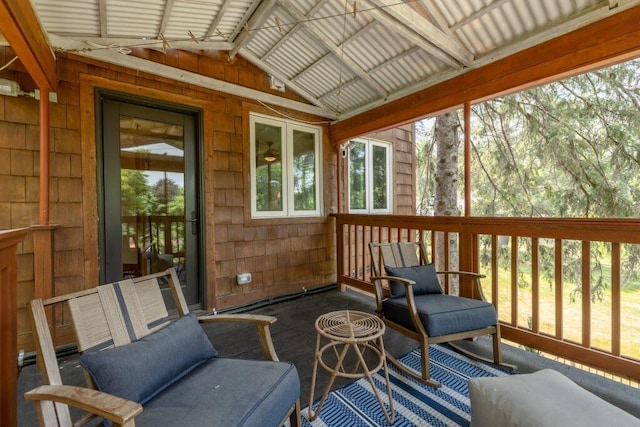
{"x": 285, "y": 168}
{"x": 370, "y": 176}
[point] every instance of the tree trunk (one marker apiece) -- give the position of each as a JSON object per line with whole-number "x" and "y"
{"x": 446, "y": 191}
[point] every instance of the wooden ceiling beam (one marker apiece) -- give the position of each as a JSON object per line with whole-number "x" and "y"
{"x": 478, "y": 14}
{"x": 97, "y": 43}
{"x": 436, "y": 17}
{"x": 168, "y": 7}
{"x": 216, "y": 21}
{"x": 257, "y": 14}
{"x": 292, "y": 28}
{"x": 103, "y": 18}
{"x": 610, "y": 40}
{"x": 413, "y": 22}
{"x": 338, "y": 51}
{"x": 20, "y": 26}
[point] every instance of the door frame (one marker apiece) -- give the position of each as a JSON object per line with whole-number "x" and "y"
{"x": 197, "y": 114}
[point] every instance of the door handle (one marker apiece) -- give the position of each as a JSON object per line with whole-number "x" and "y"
{"x": 194, "y": 222}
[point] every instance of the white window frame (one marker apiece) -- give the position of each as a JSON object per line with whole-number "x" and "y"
{"x": 369, "y": 144}
{"x": 288, "y": 206}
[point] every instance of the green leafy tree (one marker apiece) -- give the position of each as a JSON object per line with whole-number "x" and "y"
{"x": 165, "y": 191}
{"x": 135, "y": 193}
{"x": 565, "y": 149}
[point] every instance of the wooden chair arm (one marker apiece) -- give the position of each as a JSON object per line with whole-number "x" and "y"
{"x": 399, "y": 279}
{"x": 121, "y": 412}
{"x": 476, "y": 279}
{"x": 464, "y": 273}
{"x": 238, "y": 318}
{"x": 262, "y": 324}
{"x": 379, "y": 291}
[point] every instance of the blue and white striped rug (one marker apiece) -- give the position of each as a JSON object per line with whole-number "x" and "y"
{"x": 415, "y": 404}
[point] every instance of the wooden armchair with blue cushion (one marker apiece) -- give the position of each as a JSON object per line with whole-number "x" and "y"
{"x": 417, "y": 307}
{"x": 145, "y": 368}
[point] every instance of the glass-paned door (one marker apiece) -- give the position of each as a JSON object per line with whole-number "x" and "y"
{"x": 150, "y": 214}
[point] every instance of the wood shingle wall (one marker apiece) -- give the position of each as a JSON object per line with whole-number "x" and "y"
{"x": 283, "y": 255}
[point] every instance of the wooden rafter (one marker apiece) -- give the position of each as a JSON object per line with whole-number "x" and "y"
{"x": 165, "y": 16}
{"x": 257, "y": 5}
{"x": 403, "y": 31}
{"x": 292, "y": 30}
{"x": 335, "y": 91}
{"x": 477, "y": 14}
{"x": 154, "y": 68}
{"x": 92, "y": 42}
{"x": 313, "y": 29}
{"x": 587, "y": 17}
{"x": 601, "y": 42}
{"x": 257, "y": 19}
{"x": 435, "y": 15}
{"x": 216, "y": 21}
{"x": 302, "y": 91}
{"x": 103, "y": 18}
{"x": 21, "y": 28}
{"x": 414, "y": 23}
{"x": 329, "y": 55}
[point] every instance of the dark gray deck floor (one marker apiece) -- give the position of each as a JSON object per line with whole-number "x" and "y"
{"x": 294, "y": 339}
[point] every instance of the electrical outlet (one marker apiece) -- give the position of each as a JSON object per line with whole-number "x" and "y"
{"x": 243, "y": 278}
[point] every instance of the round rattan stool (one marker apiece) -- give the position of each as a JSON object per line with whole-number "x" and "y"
{"x": 348, "y": 332}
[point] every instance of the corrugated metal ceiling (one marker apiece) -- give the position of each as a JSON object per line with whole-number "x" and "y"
{"x": 344, "y": 56}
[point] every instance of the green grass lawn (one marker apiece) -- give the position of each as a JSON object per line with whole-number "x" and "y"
{"x": 572, "y": 313}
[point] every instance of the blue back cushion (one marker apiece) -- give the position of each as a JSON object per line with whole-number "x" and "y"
{"x": 424, "y": 275}
{"x": 140, "y": 370}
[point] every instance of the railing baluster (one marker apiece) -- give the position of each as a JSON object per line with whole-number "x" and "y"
{"x": 514, "y": 280}
{"x": 350, "y": 262}
{"x": 558, "y": 262}
{"x": 616, "y": 306}
{"x": 356, "y": 231}
{"x": 494, "y": 272}
{"x": 434, "y": 255}
{"x": 586, "y": 293}
{"x": 535, "y": 285}
{"x": 445, "y": 264}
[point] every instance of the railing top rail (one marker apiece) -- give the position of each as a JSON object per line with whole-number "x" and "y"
{"x": 616, "y": 230}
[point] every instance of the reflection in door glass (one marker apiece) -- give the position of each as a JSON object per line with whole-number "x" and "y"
{"x": 152, "y": 196}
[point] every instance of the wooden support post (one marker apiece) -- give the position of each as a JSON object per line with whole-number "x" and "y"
{"x": 467, "y": 159}
{"x": 43, "y": 248}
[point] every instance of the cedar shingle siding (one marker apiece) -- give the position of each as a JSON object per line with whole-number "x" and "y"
{"x": 283, "y": 255}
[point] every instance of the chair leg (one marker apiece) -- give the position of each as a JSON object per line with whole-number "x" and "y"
{"x": 295, "y": 419}
{"x": 497, "y": 348}
{"x": 497, "y": 353}
{"x": 423, "y": 376}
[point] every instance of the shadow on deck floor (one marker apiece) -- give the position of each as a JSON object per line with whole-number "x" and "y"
{"x": 294, "y": 339}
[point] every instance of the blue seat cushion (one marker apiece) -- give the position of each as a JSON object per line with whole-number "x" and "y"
{"x": 226, "y": 392}
{"x": 140, "y": 370}
{"x": 442, "y": 314}
{"x": 424, "y": 275}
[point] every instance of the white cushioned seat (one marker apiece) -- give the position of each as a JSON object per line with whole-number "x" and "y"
{"x": 544, "y": 398}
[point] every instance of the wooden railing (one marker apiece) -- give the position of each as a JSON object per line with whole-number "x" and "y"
{"x": 9, "y": 241}
{"x": 568, "y": 287}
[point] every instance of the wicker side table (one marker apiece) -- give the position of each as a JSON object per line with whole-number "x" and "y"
{"x": 348, "y": 332}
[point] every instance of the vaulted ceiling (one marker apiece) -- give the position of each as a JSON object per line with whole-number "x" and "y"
{"x": 353, "y": 61}
{"x": 342, "y": 56}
